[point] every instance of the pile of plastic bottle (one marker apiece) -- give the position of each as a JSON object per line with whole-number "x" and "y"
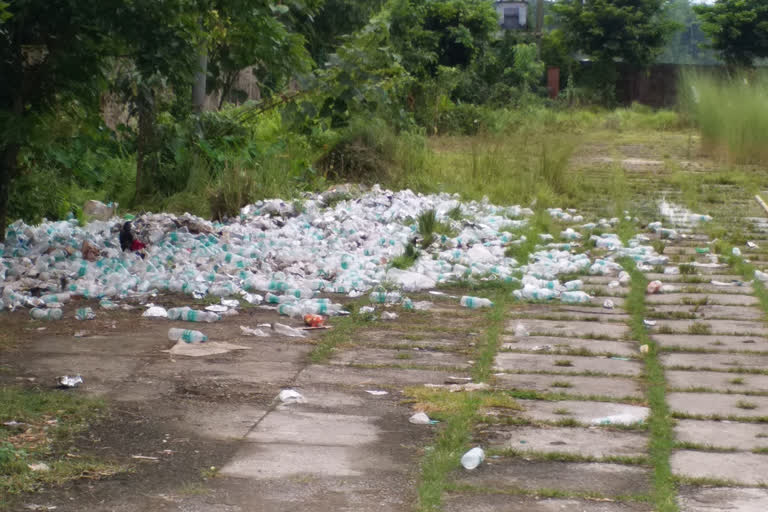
{"x": 293, "y": 254}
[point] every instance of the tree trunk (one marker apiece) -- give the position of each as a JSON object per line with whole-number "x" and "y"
{"x": 198, "y": 88}
{"x": 144, "y": 141}
{"x": 8, "y": 169}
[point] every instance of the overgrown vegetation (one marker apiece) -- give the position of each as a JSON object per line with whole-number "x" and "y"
{"x": 37, "y": 427}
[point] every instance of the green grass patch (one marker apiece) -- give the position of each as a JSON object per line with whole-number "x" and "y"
{"x": 343, "y": 329}
{"x": 659, "y": 421}
{"x": 48, "y": 422}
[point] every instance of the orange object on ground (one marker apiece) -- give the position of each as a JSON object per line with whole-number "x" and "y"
{"x": 314, "y": 320}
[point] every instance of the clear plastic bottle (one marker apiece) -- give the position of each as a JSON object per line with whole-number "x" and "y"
{"x": 473, "y": 458}
{"x": 176, "y": 334}
{"x": 475, "y": 302}
{"x": 46, "y": 314}
{"x": 191, "y": 315}
{"x": 279, "y": 299}
{"x": 290, "y": 310}
{"x": 56, "y": 298}
{"x": 575, "y": 297}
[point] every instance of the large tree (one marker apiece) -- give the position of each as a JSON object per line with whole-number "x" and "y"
{"x": 609, "y": 31}
{"x": 51, "y": 52}
{"x": 738, "y": 28}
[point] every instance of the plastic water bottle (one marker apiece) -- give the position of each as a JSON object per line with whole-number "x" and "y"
{"x": 475, "y": 302}
{"x": 190, "y": 315}
{"x": 46, "y": 314}
{"x": 574, "y": 285}
{"x": 187, "y": 336}
{"x": 56, "y": 298}
{"x": 279, "y": 299}
{"x": 84, "y": 314}
{"x": 289, "y": 310}
{"x": 473, "y": 458}
{"x": 574, "y": 297}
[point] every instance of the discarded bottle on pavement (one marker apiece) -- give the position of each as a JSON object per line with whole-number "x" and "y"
{"x": 385, "y": 297}
{"x": 473, "y": 458}
{"x": 289, "y": 310}
{"x": 575, "y": 297}
{"x": 84, "y": 314}
{"x": 56, "y": 298}
{"x": 46, "y": 314}
{"x": 176, "y": 334}
{"x": 574, "y": 285}
{"x": 475, "y": 302}
{"x": 191, "y": 315}
{"x": 287, "y": 330}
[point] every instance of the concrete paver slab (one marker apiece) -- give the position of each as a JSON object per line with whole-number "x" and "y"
{"x": 716, "y": 404}
{"x": 518, "y": 362}
{"x": 723, "y": 434}
{"x": 545, "y": 344}
{"x": 588, "y": 442}
{"x": 504, "y": 503}
{"x": 719, "y": 362}
{"x": 612, "y": 387}
{"x": 571, "y": 328}
{"x": 741, "y": 467}
{"x": 719, "y": 499}
{"x": 407, "y": 357}
{"x": 710, "y": 298}
{"x": 518, "y": 473}
{"x": 721, "y": 342}
{"x": 595, "y": 413}
{"x": 715, "y": 326}
{"x": 717, "y": 381}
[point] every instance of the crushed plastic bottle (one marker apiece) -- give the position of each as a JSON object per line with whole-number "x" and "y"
{"x": 475, "y": 302}
{"x": 575, "y": 297}
{"x": 191, "y": 315}
{"x": 187, "y": 336}
{"x": 46, "y": 314}
{"x": 286, "y": 330}
{"x": 85, "y": 314}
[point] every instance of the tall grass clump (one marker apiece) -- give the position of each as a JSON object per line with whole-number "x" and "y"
{"x": 731, "y": 113}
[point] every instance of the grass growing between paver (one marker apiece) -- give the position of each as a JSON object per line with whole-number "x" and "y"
{"x": 659, "y": 420}
{"x": 35, "y": 427}
{"x": 459, "y": 411}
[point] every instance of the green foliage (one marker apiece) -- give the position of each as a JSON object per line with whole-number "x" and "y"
{"x": 731, "y": 113}
{"x": 688, "y": 44}
{"x": 609, "y": 30}
{"x": 738, "y": 28}
{"x": 407, "y": 259}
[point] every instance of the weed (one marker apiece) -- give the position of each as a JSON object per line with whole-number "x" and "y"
{"x": 743, "y": 404}
{"x": 699, "y": 328}
{"x": 687, "y": 269}
{"x": 561, "y": 384}
{"x": 736, "y": 381}
{"x": 407, "y": 259}
{"x": 561, "y": 411}
{"x": 403, "y": 355}
{"x": 563, "y": 362}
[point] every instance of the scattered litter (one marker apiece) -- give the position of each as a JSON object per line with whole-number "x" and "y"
{"x": 575, "y": 297}
{"x": 46, "y": 314}
{"x": 608, "y": 304}
{"x": 155, "y": 312}
{"x": 35, "y": 507}
{"x": 624, "y": 277}
{"x": 69, "y": 381}
{"x": 736, "y": 251}
{"x": 253, "y": 298}
{"x": 752, "y": 245}
{"x": 620, "y": 419}
{"x": 182, "y": 348}
{"x": 314, "y": 320}
{"x": 145, "y": 457}
{"x": 521, "y": 331}
{"x": 616, "y": 358}
{"x": 39, "y": 466}
{"x": 644, "y": 349}
{"x": 85, "y": 314}
{"x": 366, "y": 310}
{"x": 671, "y": 271}
{"x": 247, "y": 331}
{"x": 653, "y": 287}
{"x": 230, "y": 303}
{"x": 423, "y": 305}
{"x": 81, "y": 334}
{"x": 649, "y": 323}
{"x": 420, "y": 418}
{"x": 614, "y": 284}
{"x": 542, "y": 348}
{"x": 475, "y": 302}
{"x": 735, "y": 282}
{"x": 217, "y": 308}
{"x": 376, "y": 392}
{"x": 473, "y": 458}
{"x": 186, "y": 335}
{"x": 290, "y": 396}
{"x": 286, "y": 330}
{"x": 108, "y": 304}
{"x": 389, "y": 315}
